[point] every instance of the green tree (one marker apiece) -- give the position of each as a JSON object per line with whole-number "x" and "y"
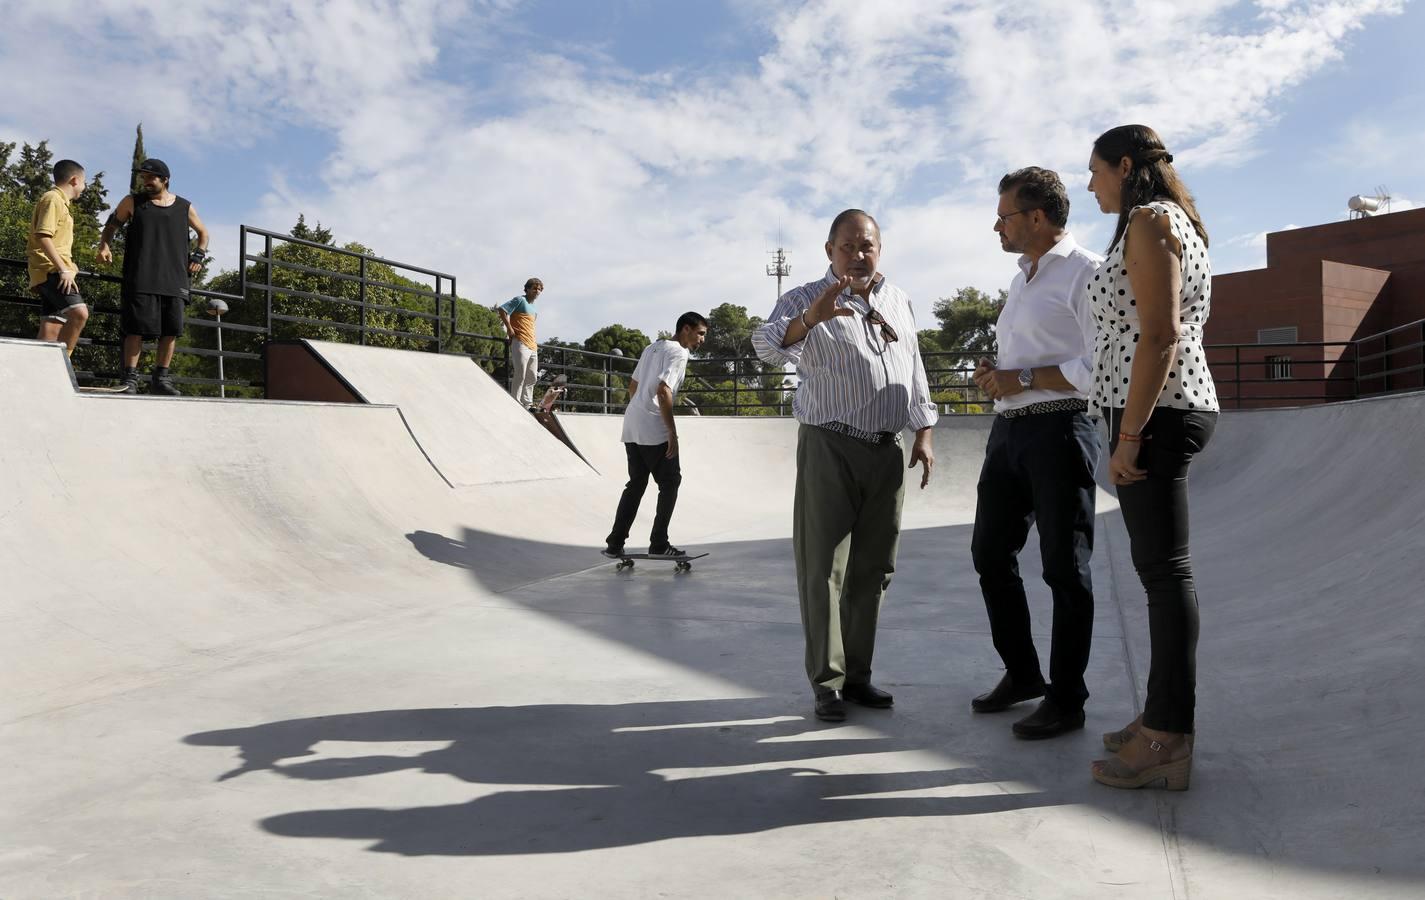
{"x": 629, "y": 341}
{"x": 730, "y": 332}
{"x": 967, "y": 319}
{"x": 967, "y": 332}
{"x": 135, "y": 182}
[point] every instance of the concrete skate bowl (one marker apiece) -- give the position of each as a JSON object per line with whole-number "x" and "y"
{"x": 386, "y": 625}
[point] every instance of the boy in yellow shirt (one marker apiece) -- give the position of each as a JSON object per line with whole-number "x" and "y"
{"x": 49, "y": 253}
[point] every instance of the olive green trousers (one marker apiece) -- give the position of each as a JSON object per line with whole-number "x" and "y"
{"x": 845, "y": 530}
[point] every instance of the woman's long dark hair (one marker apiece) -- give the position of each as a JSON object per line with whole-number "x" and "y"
{"x": 1151, "y": 178}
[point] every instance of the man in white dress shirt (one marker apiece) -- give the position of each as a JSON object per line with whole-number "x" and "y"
{"x": 852, "y": 337}
{"x": 1041, "y": 455}
{"x": 650, "y": 436}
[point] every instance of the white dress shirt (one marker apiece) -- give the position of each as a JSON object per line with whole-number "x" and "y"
{"x": 1048, "y": 320}
{"x": 848, "y": 372}
{"x": 662, "y": 362}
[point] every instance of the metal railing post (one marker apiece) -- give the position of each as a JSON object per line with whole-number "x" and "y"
{"x": 736, "y": 366}
{"x": 438, "y": 329}
{"x": 242, "y": 262}
{"x": 1356, "y": 366}
{"x": 1237, "y": 374}
{"x": 222, "y": 377}
{"x": 267, "y": 279}
{"x": 361, "y": 296}
{"x": 454, "y": 312}
{"x": 608, "y": 382}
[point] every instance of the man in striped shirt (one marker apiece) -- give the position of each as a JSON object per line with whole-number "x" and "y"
{"x": 852, "y": 338}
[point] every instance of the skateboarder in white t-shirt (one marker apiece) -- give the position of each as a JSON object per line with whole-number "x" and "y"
{"x": 650, "y": 436}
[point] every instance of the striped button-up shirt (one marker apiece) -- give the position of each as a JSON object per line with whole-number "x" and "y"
{"x": 848, "y": 373}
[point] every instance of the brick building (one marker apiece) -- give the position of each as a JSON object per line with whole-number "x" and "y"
{"x": 1311, "y": 314}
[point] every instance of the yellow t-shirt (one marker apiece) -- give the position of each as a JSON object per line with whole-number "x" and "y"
{"x": 53, "y": 220}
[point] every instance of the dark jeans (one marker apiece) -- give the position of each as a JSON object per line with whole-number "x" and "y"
{"x": 645, "y": 460}
{"x": 1040, "y": 469}
{"x": 1155, "y": 511}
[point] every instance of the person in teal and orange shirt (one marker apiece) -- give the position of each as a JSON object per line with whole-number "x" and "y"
{"x": 518, "y": 315}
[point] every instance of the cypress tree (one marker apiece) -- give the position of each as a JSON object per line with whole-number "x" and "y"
{"x": 135, "y": 183}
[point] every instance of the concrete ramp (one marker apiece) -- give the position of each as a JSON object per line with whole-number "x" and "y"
{"x": 369, "y": 649}
{"x": 472, "y": 431}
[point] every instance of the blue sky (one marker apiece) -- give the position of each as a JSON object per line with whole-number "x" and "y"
{"x": 641, "y": 155}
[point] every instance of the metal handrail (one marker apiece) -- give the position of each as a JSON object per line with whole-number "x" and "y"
{"x": 1357, "y": 369}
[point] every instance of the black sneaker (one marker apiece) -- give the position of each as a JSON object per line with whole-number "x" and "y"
{"x": 129, "y": 385}
{"x": 163, "y": 385}
{"x": 669, "y": 550}
{"x": 613, "y": 552}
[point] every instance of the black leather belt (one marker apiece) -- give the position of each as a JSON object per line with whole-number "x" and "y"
{"x": 1047, "y": 406}
{"x": 871, "y": 437}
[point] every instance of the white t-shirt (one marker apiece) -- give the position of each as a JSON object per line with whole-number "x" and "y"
{"x": 662, "y": 362}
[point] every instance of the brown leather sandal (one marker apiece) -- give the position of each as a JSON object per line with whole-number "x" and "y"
{"x": 1173, "y": 774}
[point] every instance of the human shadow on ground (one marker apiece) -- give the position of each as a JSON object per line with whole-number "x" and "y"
{"x": 595, "y": 776}
{"x": 738, "y": 611}
{"x": 501, "y": 562}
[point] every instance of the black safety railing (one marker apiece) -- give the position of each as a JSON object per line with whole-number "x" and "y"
{"x": 1300, "y": 373}
{"x": 98, "y": 356}
{"x": 1391, "y": 361}
{"x": 360, "y": 297}
{"x": 733, "y": 386}
{"x": 315, "y": 290}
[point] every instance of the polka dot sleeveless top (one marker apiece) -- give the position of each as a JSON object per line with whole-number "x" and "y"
{"x": 1111, "y": 296}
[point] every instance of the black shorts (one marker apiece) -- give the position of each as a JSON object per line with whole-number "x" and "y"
{"x": 151, "y": 315}
{"x": 53, "y": 301}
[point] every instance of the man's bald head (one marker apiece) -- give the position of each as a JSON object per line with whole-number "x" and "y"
{"x": 851, "y": 216}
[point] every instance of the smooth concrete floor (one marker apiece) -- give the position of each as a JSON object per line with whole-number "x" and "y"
{"x": 324, "y": 671}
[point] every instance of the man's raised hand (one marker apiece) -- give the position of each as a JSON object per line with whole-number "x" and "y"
{"x": 824, "y": 307}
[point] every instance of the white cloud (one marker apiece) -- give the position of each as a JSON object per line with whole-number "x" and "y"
{"x": 638, "y": 196}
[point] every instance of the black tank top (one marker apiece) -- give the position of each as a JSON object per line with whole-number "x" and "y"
{"x": 156, "y": 249}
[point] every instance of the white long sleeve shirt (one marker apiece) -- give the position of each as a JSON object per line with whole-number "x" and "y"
{"x": 848, "y": 373}
{"x": 1048, "y": 320}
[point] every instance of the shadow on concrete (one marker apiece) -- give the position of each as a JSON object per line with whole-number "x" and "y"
{"x": 592, "y": 776}
{"x": 500, "y": 562}
{"x": 1250, "y": 796}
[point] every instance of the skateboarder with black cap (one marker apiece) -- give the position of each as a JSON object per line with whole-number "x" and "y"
{"x": 157, "y": 267}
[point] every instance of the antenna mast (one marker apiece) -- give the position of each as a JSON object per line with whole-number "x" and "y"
{"x": 779, "y": 268}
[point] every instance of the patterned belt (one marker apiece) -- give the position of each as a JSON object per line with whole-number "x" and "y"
{"x": 871, "y": 437}
{"x": 1048, "y": 406}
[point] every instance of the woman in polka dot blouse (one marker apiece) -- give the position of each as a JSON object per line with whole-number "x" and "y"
{"x": 1151, "y": 298}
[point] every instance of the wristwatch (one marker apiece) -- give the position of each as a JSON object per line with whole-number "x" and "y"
{"x": 1026, "y": 378}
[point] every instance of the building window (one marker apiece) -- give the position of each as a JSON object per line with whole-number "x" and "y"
{"x": 1278, "y": 368}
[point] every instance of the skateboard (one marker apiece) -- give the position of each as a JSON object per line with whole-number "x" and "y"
{"x": 684, "y": 562}
{"x": 556, "y": 389}
{"x": 100, "y": 389}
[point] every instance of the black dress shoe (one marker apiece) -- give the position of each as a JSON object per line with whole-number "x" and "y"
{"x": 1005, "y": 695}
{"x": 830, "y": 707}
{"x": 1049, "y": 720}
{"x": 868, "y": 695}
